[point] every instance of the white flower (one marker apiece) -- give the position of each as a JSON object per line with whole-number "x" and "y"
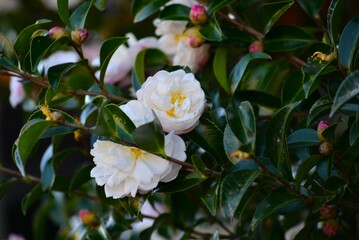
{"x": 17, "y": 92}
{"x": 176, "y": 97}
{"x": 125, "y": 170}
{"x": 52, "y": 4}
{"x": 137, "y": 112}
{"x": 188, "y": 3}
{"x": 57, "y": 58}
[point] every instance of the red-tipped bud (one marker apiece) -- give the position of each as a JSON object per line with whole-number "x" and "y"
{"x": 330, "y": 227}
{"x": 57, "y": 32}
{"x": 328, "y": 212}
{"x": 198, "y": 14}
{"x": 326, "y": 148}
{"x": 78, "y": 36}
{"x": 256, "y": 46}
{"x": 195, "y": 39}
{"x": 88, "y": 218}
{"x": 320, "y": 129}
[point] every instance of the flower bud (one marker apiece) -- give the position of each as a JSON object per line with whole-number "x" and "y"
{"x": 88, "y": 218}
{"x": 330, "y": 227}
{"x": 198, "y": 14}
{"x": 57, "y": 116}
{"x": 256, "y": 46}
{"x": 57, "y": 32}
{"x": 195, "y": 39}
{"x": 326, "y": 148}
{"x": 320, "y": 129}
{"x": 328, "y": 212}
{"x": 78, "y": 36}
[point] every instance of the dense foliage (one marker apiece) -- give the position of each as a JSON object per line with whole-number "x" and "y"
{"x": 268, "y": 121}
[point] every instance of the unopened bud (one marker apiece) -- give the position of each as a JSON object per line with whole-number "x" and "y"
{"x": 57, "y": 116}
{"x": 78, "y": 36}
{"x": 256, "y": 46}
{"x": 326, "y": 148}
{"x": 330, "y": 227}
{"x": 57, "y": 32}
{"x": 195, "y": 39}
{"x": 328, "y": 212}
{"x": 320, "y": 129}
{"x": 88, "y": 218}
{"x": 198, "y": 14}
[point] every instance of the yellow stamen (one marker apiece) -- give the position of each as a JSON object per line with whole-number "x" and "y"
{"x": 45, "y": 110}
{"x": 178, "y": 98}
{"x": 137, "y": 152}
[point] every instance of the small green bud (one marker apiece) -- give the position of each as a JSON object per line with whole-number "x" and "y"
{"x": 78, "y": 36}
{"x": 57, "y": 32}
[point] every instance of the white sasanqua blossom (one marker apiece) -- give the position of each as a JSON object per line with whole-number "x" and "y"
{"x": 57, "y": 58}
{"x": 176, "y": 97}
{"x": 17, "y": 92}
{"x": 137, "y": 112}
{"x": 125, "y": 170}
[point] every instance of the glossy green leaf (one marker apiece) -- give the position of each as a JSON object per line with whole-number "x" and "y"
{"x": 181, "y": 184}
{"x": 319, "y": 108}
{"x": 276, "y": 139}
{"x": 209, "y": 137}
{"x": 107, "y": 50}
{"x": 304, "y": 137}
{"x": 28, "y": 137}
{"x": 81, "y": 177}
{"x": 334, "y": 19}
{"x": 312, "y": 8}
{"x": 31, "y": 198}
{"x": 47, "y": 169}
{"x": 175, "y": 12}
{"x": 63, "y": 11}
{"x": 220, "y": 67}
{"x": 324, "y": 167}
{"x": 210, "y": 199}
{"x": 78, "y": 17}
{"x": 286, "y": 38}
{"x": 6, "y": 47}
{"x": 272, "y": 11}
{"x": 231, "y": 144}
{"x": 241, "y": 66}
{"x": 311, "y": 73}
{"x": 22, "y": 43}
{"x": 105, "y": 125}
{"x": 198, "y": 164}
{"x": 354, "y": 130}
{"x": 348, "y": 42}
{"x": 122, "y": 121}
{"x": 276, "y": 200}
{"x": 100, "y": 4}
{"x": 143, "y": 9}
{"x": 55, "y": 73}
{"x": 348, "y": 89}
{"x": 305, "y": 167}
{"x": 150, "y": 137}
{"x": 214, "y": 5}
{"x": 292, "y": 90}
{"x": 5, "y": 184}
{"x": 258, "y": 97}
{"x": 233, "y": 188}
{"x": 243, "y": 123}
{"x": 212, "y": 31}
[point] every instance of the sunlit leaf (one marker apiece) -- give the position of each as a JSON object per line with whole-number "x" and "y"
{"x": 143, "y": 9}
{"x": 348, "y": 42}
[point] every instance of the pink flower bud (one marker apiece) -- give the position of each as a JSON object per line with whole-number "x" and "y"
{"x": 195, "y": 39}
{"x": 320, "y": 129}
{"x": 326, "y": 148}
{"x": 256, "y": 46}
{"x": 328, "y": 212}
{"x": 78, "y": 36}
{"x": 330, "y": 227}
{"x": 88, "y": 218}
{"x": 57, "y": 32}
{"x": 198, "y": 14}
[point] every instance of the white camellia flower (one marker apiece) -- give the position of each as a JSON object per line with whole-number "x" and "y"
{"x": 137, "y": 112}
{"x": 126, "y": 170}
{"x": 57, "y": 58}
{"x": 176, "y": 97}
{"x": 17, "y": 92}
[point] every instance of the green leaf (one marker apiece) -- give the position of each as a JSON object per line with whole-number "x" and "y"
{"x": 348, "y": 89}
{"x": 29, "y": 135}
{"x": 354, "y": 131}
{"x": 312, "y": 8}
{"x": 133, "y": 205}
{"x": 107, "y": 50}
{"x": 305, "y": 167}
{"x": 181, "y": 184}
{"x": 243, "y": 123}
{"x": 126, "y": 126}
{"x": 210, "y": 199}
{"x": 55, "y": 73}
{"x": 324, "y": 168}
{"x": 81, "y": 177}
{"x": 276, "y": 200}
{"x": 214, "y": 5}
{"x": 105, "y": 125}
{"x": 286, "y": 38}
{"x": 6, "y": 184}
{"x": 304, "y": 137}
{"x": 63, "y": 11}
{"x": 22, "y": 43}
{"x": 272, "y": 11}
{"x": 6, "y": 47}
{"x": 334, "y": 19}
{"x": 150, "y": 137}
{"x": 233, "y": 187}
{"x": 212, "y": 31}
{"x": 348, "y": 42}
{"x": 231, "y": 144}
{"x": 78, "y": 17}
{"x": 258, "y": 97}
{"x": 220, "y": 67}
{"x": 143, "y": 9}
{"x": 311, "y": 73}
{"x": 292, "y": 90}
{"x": 47, "y": 169}
{"x": 241, "y": 66}
{"x": 198, "y": 164}
{"x": 175, "y": 12}
{"x": 319, "y": 108}
{"x": 100, "y": 4}
{"x": 31, "y": 198}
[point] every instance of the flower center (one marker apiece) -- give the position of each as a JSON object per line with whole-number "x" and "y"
{"x": 176, "y": 100}
{"x": 179, "y": 36}
{"x": 137, "y": 152}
